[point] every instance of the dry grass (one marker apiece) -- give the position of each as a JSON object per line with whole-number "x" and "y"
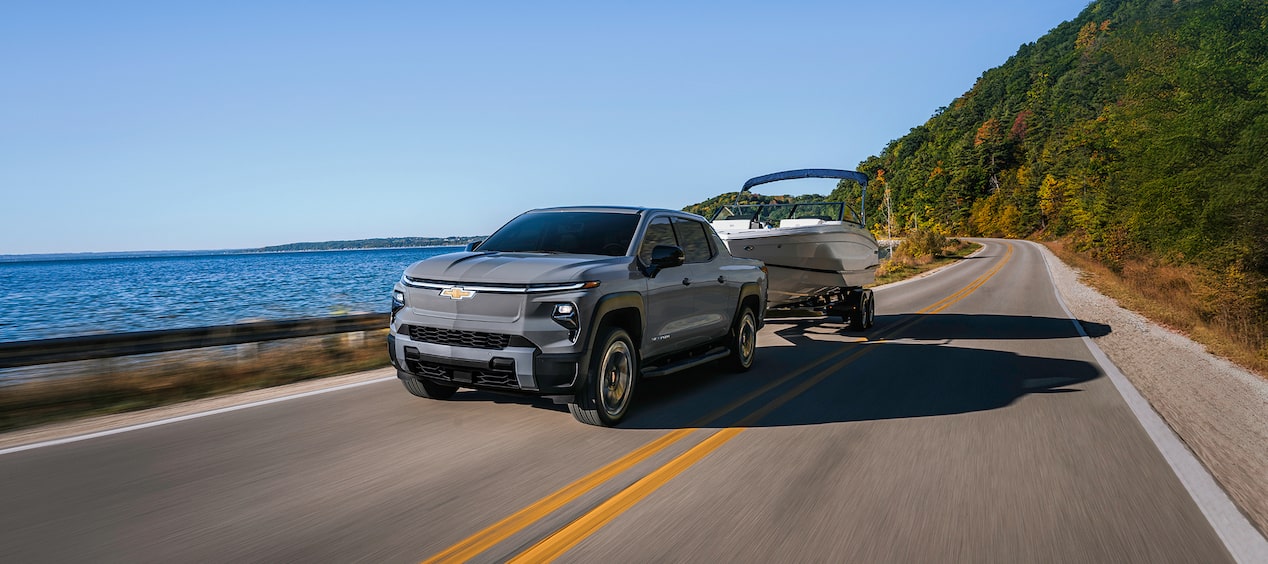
{"x": 1212, "y": 308}
{"x": 117, "y": 385}
{"x": 903, "y": 264}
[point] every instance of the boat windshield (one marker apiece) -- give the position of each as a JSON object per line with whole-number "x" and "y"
{"x": 772, "y": 214}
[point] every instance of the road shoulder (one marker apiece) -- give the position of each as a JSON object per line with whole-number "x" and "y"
{"x": 1216, "y": 408}
{"x": 80, "y": 429}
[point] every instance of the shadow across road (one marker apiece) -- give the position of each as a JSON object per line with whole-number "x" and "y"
{"x": 892, "y": 381}
{"x": 944, "y": 326}
{"x": 915, "y": 370}
{"x": 469, "y": 395}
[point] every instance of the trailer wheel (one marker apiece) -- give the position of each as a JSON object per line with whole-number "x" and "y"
{"x": 869, "y": 311}
{"x": 861, "y": 310}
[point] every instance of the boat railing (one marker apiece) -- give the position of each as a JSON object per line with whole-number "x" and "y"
{"x": 774, "y": 215}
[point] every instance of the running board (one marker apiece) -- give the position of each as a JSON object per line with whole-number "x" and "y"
{"x": 712, "y": 355}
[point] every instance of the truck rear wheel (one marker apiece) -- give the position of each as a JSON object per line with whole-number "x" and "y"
{"x": 610, "y": 387}
{"x": 743, "y": 340}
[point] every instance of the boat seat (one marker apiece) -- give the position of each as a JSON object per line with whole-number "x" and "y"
{"x": 801, "y": 222}
{"x": 732, "y": 224}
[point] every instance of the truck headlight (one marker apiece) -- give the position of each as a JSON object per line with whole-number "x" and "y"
{"x": 398, "y": 301}
{"x": 566, "y": 316}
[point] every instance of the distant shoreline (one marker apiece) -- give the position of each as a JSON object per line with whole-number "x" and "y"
{"x": 367, "y": 245}
{"x": 376, "y": 243}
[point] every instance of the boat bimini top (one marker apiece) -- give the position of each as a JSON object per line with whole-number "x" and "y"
{"x": 836, "y": 213}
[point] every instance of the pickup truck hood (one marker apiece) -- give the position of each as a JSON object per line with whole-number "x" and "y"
{"x": 508, "y": 268}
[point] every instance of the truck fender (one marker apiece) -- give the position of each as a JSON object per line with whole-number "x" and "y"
{"x": 752, "y": 289}
{"x": 605, "y": 305}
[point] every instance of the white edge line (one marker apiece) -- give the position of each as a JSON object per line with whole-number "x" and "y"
{"x": 1242, "y": 540}
{"x": 178, "y": 419}
{"x": 981, "y": 249}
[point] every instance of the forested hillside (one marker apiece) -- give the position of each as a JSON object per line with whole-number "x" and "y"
{"x": 1140, "y": 127}
{"x": 1137, "y": 131}
{"x": 708, "y": 207}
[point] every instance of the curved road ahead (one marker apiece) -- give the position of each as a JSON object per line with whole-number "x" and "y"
{"x": 971, "y": 424}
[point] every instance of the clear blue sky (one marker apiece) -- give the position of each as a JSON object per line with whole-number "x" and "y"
{"x": 170, "y": 125}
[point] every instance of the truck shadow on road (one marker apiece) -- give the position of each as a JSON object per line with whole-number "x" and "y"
{"x": 914, "y": 372}
{"x": 944, "y": 326}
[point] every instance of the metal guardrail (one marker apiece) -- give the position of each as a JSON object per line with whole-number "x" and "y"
{"x": 89, "y": 347}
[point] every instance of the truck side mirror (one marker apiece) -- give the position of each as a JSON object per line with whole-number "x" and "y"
{"x": 472, "y": 245}
{"x": 665, "y": 256}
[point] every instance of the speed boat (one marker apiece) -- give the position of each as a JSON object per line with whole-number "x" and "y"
{"x": 819, "y": 254}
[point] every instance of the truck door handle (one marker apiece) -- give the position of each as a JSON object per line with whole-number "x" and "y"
{"x": 686, "y": 281}
{"x": 721, "y": 280}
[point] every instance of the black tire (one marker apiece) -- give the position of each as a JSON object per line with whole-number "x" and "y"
{"x": 860, "y": 316}
{"x": 428, "y": 389}
{"x": 610, "y": 388}
{"x": 743, "y": 340}
{"x": 869, "y": 318}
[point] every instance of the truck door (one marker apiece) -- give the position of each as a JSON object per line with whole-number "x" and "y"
{"x": 712, "y": 304}
{"x": 666, "y": 294}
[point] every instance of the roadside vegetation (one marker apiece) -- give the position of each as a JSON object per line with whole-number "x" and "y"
{"x": 920, "y": 252}
{"x": 1135, "y": 136}
{"x": 108, "y": 386}
{"x": 1189, "y": 300}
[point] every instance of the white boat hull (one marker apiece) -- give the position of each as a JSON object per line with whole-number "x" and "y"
{"x": 807, "y": 261}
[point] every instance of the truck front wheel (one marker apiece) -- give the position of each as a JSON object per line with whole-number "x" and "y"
{"x": 610, "y": 388}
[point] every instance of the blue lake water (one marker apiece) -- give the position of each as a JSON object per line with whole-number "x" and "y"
{"x": 76, "y": 296}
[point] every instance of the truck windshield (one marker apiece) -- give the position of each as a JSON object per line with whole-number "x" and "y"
{"x": 583, "y": 233}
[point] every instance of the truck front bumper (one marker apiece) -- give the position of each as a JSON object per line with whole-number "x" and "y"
{"x": 511, "y": 369}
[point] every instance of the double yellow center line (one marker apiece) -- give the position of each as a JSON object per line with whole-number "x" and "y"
{"x": 564, "y": 539}
{"x": 946, "y": 302}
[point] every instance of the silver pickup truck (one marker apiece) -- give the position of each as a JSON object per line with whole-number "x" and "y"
{"x": 576, "y": 304}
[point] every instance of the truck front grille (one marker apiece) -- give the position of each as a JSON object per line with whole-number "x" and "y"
{"x": 455, "y": 338}
{"x": 464, "y": 375}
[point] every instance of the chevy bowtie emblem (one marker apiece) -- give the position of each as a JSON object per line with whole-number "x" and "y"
{"x": 456, "y": 293}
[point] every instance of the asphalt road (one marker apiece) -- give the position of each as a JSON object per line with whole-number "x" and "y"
{"x": 971, "y": 424}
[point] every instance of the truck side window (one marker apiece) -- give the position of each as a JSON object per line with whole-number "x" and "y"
{"x": 693, "y": 240}
{"x": 716, "y": 243}
{"x": 658, "y": 232}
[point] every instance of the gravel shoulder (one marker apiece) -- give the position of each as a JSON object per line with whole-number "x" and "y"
{"x": 1218, "y": 409}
